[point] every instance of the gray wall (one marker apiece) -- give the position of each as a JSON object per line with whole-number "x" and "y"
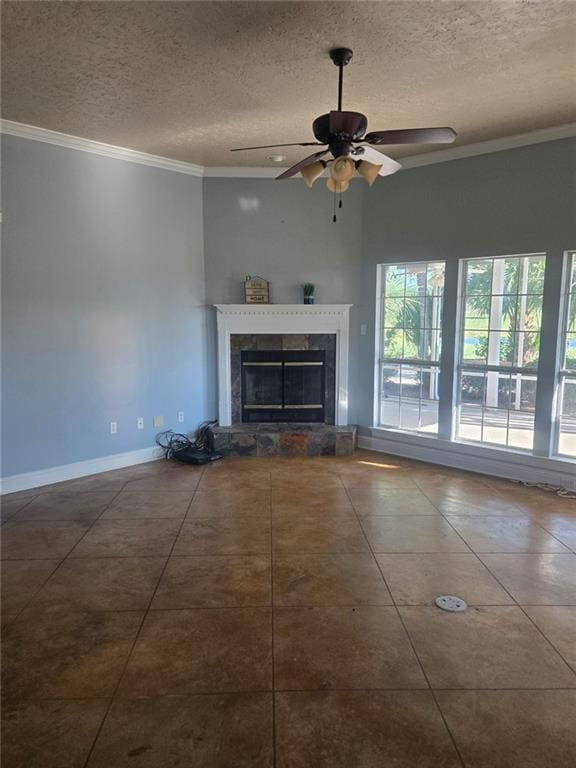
{"x": 516, "y": 201}
{"x": 284, "y": 232}
{"x": 103, "y": 307}
{"x": 109, "y": 267}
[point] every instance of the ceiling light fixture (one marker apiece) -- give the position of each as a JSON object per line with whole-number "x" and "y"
{"x": 368, "y": 171}
{"x": 312, "y": 172}
{"x": 344, "y": 135}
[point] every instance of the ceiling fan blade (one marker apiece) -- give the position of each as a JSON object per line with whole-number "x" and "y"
{"x": 389, "y": 166}
{"x": 351, "y": 123}
{"x": 302, "y": 164}
{"x": 272, "y": 146}
{"x": 412, "y": 136}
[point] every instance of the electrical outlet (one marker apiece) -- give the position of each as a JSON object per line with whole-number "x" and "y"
{"x": 181, "y": 417}
{"x": 140, "y": 423}
{"x": 158, "y": 421}
{"x": 363, "y": 329}
{"x": 113, "y": 427}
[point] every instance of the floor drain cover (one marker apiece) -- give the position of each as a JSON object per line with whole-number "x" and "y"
{"x": 451, "y": 603}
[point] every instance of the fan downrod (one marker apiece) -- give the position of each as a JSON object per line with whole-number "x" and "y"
{"x": 341, "y": 56}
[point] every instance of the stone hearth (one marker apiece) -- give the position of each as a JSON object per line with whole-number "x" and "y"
{"x": 285, "y": 440}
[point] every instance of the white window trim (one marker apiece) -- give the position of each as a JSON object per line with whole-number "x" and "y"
{"x": 414, "y": 363}
{"x": 443, "y": 448}
{"x": 461, "y": 364}
{"x": 561, "y": 372}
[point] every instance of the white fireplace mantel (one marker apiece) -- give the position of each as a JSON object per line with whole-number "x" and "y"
{"x": 282, "y": 318}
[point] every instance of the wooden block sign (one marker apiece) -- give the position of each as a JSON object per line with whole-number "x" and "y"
{"x": 256, "y": 290}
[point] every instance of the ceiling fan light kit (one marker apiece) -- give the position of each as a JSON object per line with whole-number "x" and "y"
{"x": 343, "y": 135}
{"x": 342, "y": 168}
{"x": 312, "y": 172}
{"x": 337, "y": 186}
{"x": 368, "y": 171}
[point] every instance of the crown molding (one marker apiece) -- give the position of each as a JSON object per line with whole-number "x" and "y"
{"x": 47, "y": 136}
{"x": 244, "y": 172}
{"x": 566, "y": 131}
{"x": 23, "y": 131}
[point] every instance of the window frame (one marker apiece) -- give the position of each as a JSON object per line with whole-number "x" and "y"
{"x": 407, "y": 362}
{"x": 564, "y": 373}
{"x": 464, "y": 367}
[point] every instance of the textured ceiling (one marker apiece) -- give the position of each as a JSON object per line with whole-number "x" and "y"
{"x": 189, "y": 80}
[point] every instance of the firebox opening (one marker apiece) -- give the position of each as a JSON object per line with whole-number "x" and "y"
{"x": 283, "y": 385}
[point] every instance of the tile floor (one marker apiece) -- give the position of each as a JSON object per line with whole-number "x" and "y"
{"x": 279, "y": 612}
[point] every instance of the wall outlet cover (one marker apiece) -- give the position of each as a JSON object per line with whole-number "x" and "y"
{"x": 181, "y": 417}
{"x": 158, "y": 421}
{"x": 113, "y": 427}
{"x": 140, "y": 423}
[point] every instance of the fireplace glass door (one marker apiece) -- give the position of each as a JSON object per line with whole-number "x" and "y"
{"x": 286, "y": 386}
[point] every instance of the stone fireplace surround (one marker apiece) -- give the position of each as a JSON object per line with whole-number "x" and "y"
{"x": 241, "y": 342}
{"x": 283, "y": 326}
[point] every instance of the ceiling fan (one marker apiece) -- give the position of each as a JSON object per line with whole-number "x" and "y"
{"x": 344, "y": 135}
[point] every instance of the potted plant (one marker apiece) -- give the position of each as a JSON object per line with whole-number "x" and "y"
{"x": 308, "y": 289}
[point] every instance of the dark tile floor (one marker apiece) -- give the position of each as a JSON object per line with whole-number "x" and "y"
{"x": 264, "y": 613}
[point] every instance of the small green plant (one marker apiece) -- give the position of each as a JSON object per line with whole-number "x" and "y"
{"x": 308, "y": 289}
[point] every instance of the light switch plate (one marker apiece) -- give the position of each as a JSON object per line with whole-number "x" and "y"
{"x": 363, "y": 329}
{"x": 140, "y": 423}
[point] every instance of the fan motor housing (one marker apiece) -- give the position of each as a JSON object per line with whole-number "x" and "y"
{"x": 321, "y": 128}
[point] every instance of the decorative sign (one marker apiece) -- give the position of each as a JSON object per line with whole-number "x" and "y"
{"x": 256, "y": 290}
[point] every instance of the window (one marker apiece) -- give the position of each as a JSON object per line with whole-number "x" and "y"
{"x": 410, "y": 317}
{"x": 501, "y": 315}
{"x": 567, "y": 389}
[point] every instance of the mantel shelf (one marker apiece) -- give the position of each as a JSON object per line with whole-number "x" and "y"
{"x": 283, "y": 309}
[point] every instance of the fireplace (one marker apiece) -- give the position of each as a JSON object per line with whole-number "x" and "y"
{"x": 285, "y": 328}
{"x": 283, "y": 385}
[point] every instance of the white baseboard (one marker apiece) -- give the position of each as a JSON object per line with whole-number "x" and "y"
{"x": 511, "y": 466}
{"x": 79, "y": 469}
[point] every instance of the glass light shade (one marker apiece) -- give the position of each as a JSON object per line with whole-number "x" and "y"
{"x": 311, "y": 172}
{"x": 337, "y": 186}
{"x": 342, "y": 169}
{"x": 368, "y": 171}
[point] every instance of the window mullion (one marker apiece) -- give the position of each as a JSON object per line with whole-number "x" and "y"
{"x": 549, "y": 356}
{"x": 448, "y": 373}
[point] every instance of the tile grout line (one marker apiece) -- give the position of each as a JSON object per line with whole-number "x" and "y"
{"x": 272, "y": 615}
{"x": 521, "y": 606}
{"x": 52, "y": 573}
{"x": 26, "y": 503}
{"x": 226, "y": 692}
{"x": 417, "y": 657}
{"x": 274, "y": 690}
{"x": 516, "y": 603}
{"x": 145, "y": 614}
